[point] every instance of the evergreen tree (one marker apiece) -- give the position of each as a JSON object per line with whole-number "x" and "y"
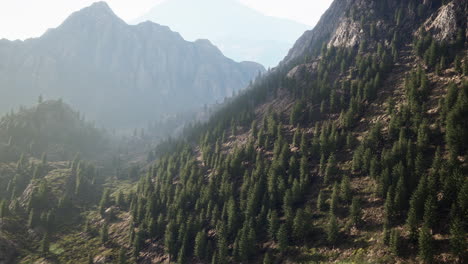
{"x": 33, "y": 218}
{"x": 268, "y": 259}
{"x": 332, "y": 229}
{"x": 45, "y": 244}
{"x": 330, "y": 169}
{"x": 412, "y": 225}
{"x": 458, "y": 238}
{"x": 345, "y": 189}
{"x": 138, "y": 242}
{"x": 395, "y": 242}
{"x": 321, "y": 201}
{"x": 283, "y": 239}
{"x": 355, "y": 211}
{"x": 104, "y": 234}
{"x": 200, "y": 244}
{"x": 300, "y": 226}
{"x": 273, "y": 224}
{"x": 170, "y": 239}
{"x": 122, "y": 256}
{"x": 426, "y": 251}
{"x": 3, "y": 209}
{"x": 104, "y": 201}
{"x": 334, "y": 199}
{"x": 430, "y": 211}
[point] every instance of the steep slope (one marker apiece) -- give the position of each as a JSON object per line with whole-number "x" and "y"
{"x": 348, "y": 153}
{"x": 240, "y": 32}
{"x": 353, "y": 150}
{"x": 102, "y": 66}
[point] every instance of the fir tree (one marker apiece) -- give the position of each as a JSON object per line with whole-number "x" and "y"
{"x": 334, "y": 199}
{"x": 332, "y": 229}
{"x": 426, "y": 251}
{"x": 273, "y": 224}
{"x": 3, "y": 209}
{"x": 283, "y": 239}
{"x": 300, "y": 226}
{"x": 138, "y": 242}
{"x": 200, "y": 244}
{"x": 355, "y": 211}
{"x": 345, "y": 189}
{"x": 321, "y": 201}
{"x": 104, "y": 234}
{"x": 122, "y": 256}
{"x": 45, "y": 244}
{"x": 412, "y": 225}
{"x": 395, "y": 242}
{"x": 458, "y": 238}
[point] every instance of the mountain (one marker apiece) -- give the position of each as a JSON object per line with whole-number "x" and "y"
{"x": 240, "y": 32}
{"x": 353, "y": 150}
{"x": 118, "y": 74}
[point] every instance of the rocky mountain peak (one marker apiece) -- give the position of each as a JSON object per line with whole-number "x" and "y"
{"x": 98, "y": 13}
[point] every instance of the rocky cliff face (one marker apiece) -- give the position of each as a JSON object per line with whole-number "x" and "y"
{"x": 123, "y": 73}
{"x": 443, "y": 24}
{"x": 340, "y": 26}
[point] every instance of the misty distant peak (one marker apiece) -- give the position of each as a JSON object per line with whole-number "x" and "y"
{"x": 97, "y": 13}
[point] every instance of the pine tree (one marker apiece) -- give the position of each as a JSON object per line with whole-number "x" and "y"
{"x": 388, "y": 207}
{"x": 334, "y": 199}
{"x": 300, "y": 226}
{"x": 400, "y": 200}
{"x": 425, "y": 243}
{"x": 90, "y": 259}
{"x": 138, "y": 242}
{"x": 3, "y": 209}
{"x": 345, "y": 189}
{"x": 104, "y": 201}
{"x": 430, "y": 211}
{"x": 355, "y": 211}
{"x": 412, "y": 225}
{"x": 267, "y": 259}
{"x": 33, "y": 218}
{"x": 200, "y": 245}
{"x": 273, "y": 224}
{"x": 104, "y": 234}
{"x": 170, "y": 239}
{"x": 283, "y": 239}
{"x": 45, "y": 244}
{"x": 122, "y": 256}
{"x": 321, "y": 201}
{"x": 330, "y": 169}
{"x": 395, "y": 242}
{"x": 332, "y": 229}
{"x": 458, "y": 238}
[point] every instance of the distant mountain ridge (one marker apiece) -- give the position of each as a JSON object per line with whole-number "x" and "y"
{"x": 124, "y": 74}
{"x": 241, "y": 33}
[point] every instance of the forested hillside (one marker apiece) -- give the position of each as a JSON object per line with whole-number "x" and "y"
{"x": 354, "y": 153}
{"x": 353, "y": 150}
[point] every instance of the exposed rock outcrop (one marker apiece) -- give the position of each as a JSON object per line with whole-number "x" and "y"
{"x": 348, "y": 34}
{"x": 444, "y": 24}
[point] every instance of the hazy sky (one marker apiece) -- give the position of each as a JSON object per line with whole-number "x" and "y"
{"x": 20, "y": 19}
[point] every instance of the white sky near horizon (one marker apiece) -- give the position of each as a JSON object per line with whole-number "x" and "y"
{"x": 21, "y": 19}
